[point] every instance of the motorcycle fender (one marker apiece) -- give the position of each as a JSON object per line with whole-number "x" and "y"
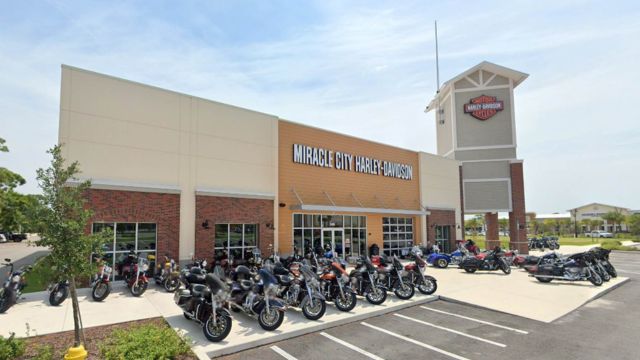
{"x": 278, "y": 304}
{"x": 431, "y": 278}
{"x": 223, "y": 312}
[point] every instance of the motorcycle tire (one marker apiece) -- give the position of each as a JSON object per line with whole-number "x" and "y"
{"x": 5, "y": 304}
{"x": 407, "y": 293}
{"x": 442, "y": 263}
{"x": 544, "y": 280}
{"x": 612, "y": 271}
{"x": 138, "y": 289}
{"x": 171, "y": 285}
{"x": 350, "y": 298}
{"x": 595, "y": 279}
{"x": 506, "y": 269}
{"x": 470, "y": 271}
{"x": 55, "y": 299}
{"x": 428, "y": 288}
{"x": 604, "y": 274}
{"x": 104, "y": 295}
{"x": 382, "y": 296}
{"x": 273, "y": 324}
{"x": 220, "y": 332}
{"x": 318, "y": 313}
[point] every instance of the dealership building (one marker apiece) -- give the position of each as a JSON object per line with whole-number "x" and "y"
{"x": 188, "y": 177}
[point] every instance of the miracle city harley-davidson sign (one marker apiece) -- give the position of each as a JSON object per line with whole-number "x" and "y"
{"x": 483, "y": 107}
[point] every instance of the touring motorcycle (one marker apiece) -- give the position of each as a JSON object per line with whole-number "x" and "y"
{"x": 255, "y": 295}
{"x": 299, "y": 286}
{"x": 441, "y": 260}
{"x": 393, "y": 277}
{"x": 204, "y": 304}
{"x": 491, "y": 261}
{"x": 13, "y": 286}
{"x": 602, "y": 256}
{"x": 426, "y": 284}
{"x": 364, "y": 280}
{"x": 576, "y": 267}
{"x": 335, "y": 284}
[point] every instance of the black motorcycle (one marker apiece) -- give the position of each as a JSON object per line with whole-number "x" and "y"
{"x": 602, "y": 257}
{"x": 364, "y": 280}
{"x": 299, "y": 286}
{"x": 58, "y": 292}
{"x": 192, "y": 275}
{"x": 13, "y": 286}
{"x": 204, "y": 304}
{"x": 493, "y": 260}
{"x": 393, "y": 277}
{"x": 576, "y": 267}
{"x": 255, "y": 295}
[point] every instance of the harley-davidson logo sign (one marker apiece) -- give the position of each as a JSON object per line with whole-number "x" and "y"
{"x": 483, "y": 107}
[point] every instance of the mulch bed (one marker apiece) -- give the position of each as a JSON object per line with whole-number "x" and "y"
{"x": 93, "y": 335}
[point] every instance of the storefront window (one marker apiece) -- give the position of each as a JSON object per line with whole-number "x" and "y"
{"x": 397, "y": 235}
{"x": 140, "y": 238}
{"x": 307, "y": 232}
{"x": 238, "y": 240}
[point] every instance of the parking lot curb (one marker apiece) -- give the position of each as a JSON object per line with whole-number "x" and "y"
{"x": 460, "y": 302}
{"x": 311, "y": 329}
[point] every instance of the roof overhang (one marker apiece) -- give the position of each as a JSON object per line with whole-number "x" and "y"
{"x": 356, "y": 209}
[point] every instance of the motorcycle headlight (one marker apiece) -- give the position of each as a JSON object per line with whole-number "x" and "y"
{"x": 145, "y": 267}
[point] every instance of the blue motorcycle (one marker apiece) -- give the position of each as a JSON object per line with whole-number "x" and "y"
{"x": 440, "y": 260}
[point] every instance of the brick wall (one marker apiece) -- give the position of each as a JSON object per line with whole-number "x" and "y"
{"x": 493, "y": 227}
{"x": 461, "y": 204}
{"x": 518, "y": 213}
{"x": 441, "y": 218}
{"x": 228, "y": 210}
{"x": 134, "y": 206}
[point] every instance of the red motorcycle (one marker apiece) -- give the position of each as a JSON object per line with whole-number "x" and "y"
{"x": 100, "y": 286}
{"x": 134, "y": 271}
{"x": 424, "y": 283}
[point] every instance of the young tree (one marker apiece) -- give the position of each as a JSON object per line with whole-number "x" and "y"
{"x": 586, "y": 224}
{"x": 634, "y": 223}
{"x": 62, "y": 222}
{"x": 613, "y": 217}
{"x": 8, "y": 179}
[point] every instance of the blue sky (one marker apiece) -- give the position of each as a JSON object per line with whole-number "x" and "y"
{"x": 360, "y": 67}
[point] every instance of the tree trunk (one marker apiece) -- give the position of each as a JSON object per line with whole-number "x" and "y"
{"x": 77, "y": 324}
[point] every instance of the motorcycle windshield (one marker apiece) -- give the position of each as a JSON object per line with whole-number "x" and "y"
{"x": 267, "y": 277}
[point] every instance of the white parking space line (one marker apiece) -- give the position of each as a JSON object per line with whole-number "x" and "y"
{"x": 352, "y": 347}
{"x": 451, "y": 331}
{"x": 628, "y": 272}
{"x": 283, "y": 353}
{"x": 626, "y": 264}
{"x": 426, "y": 346}
{"x": 476, "y": 320}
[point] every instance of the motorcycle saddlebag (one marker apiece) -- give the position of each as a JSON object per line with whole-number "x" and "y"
{"x": 182, "y": 297}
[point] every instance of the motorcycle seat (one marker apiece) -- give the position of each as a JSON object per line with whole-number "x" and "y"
{"x": 196, "y": 278}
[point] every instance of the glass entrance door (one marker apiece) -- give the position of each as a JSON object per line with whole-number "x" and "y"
{"x": 443, "y": 238}
{"x": 335, "y": 239}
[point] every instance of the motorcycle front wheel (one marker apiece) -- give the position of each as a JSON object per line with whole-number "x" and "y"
{"x": 506, "y": 268}
{"x": 137, "y": 289}
{"x": 604, "y": 274}
{"x": 612, "y": 271}
{"x": 218, "y": 332}
{"x": 404, "y": 291}
{"x": 58, "y": 295}
{"x": 315, "y": 311}
{"x": 171, "y": 284}
{"x": 100, "y": 291}
{"x": 377, "y": 295}
{"x": 270, "y": 320}
{"x": 428, "y": 287}
{"x": 349, "y": 301}
{"x": 442, "y": 263}
{"x": 470, "y": 271}
{"x": 543, "y": 280}
{"x": 595, "y": 279}
{"x": 4, "y": 302}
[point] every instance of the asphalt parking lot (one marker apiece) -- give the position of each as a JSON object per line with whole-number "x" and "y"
{"x": 443, "y": 330}
{"x": 21, "y": 253}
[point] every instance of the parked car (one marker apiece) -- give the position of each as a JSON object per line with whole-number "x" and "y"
{"x": 600, "y": 234}
{"x": 3, "y": 238}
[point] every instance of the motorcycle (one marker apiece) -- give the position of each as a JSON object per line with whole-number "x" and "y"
{"x": 576, "y": 267}
{"x": 441, "y": 260}
{"x": 13, "y": 286}
{"x": 335, "y": 284}
{"x": 491, "y": 261}
{"x": 58, "y": 292}
{"x": 100, "y": 285}
{"x": 204, "y": 304}
{"x": 364, "y": 280}
{"x": 168, "y": 276}
{"x": 255, "y": 295}
{"x": 192, "y": 275}
{"x": 602, "y": 256}
{"x": 300, "y": 287}
{"x": 393, "y": 276}
{"x": 426, "y": 284}
{"x": 133, "y": 269}
{"x": 511, "y": 257}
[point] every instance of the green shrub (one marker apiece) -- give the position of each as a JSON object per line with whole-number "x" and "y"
{"x": 144, "y": 342}
{"x": 616, "y": 245}
{"x": 45, "y": 352}
{"x": 11, "y": 348}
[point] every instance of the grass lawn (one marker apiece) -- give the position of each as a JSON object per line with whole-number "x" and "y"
{"x": 564, "y": 240}
{"x": 37, "y": 277}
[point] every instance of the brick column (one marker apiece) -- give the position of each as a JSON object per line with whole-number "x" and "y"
{"x": 492, "y": 237}
{"x": 461, "y": 205}
{"x": 517, "y": 217}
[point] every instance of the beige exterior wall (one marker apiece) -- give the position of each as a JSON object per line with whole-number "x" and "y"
{"x": 595, "y": 212}
{"x": 440, "y": 185}
{"x": 133, "y": 136}
{"x": 495, "y": 131}
{"x": 444, "y": 130}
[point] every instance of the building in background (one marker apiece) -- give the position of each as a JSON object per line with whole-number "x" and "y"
{"x": 590, "y": 217}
